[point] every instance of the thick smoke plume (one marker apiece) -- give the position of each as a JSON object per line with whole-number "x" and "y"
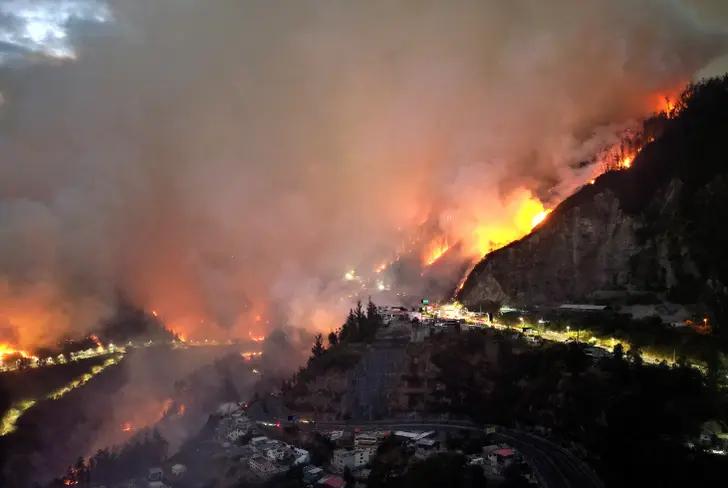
{"x": 218, "y": 161}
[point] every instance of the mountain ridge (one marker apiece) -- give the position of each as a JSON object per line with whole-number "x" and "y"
{"x": 654, "y": 233}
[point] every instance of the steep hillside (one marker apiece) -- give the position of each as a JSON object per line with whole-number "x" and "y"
{"x": 654, "y": 233}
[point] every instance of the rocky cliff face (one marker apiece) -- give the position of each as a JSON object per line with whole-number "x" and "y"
{"x": 582, "y": 249}
{"x": 587, "y": 251}
{"x": 654, "y": 233}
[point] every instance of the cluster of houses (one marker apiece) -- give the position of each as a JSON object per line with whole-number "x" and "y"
{"x": 355, "y": 450}
{"x": 496, "y": 459}
{"x": 238, "y": 436}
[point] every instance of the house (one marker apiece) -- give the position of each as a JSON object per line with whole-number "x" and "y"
{"x": 257, "y": 441}
{"x": 236, "y": 434}
{"x": 312, "y": 474}
{"x": 426, "y": 447}
{"x": 301, "y": 456}
{"x": 331, "y": 481}
{"x": 262, "y": 466}
{"x": 278, "y": 452}
{"x": 369, "y": 442}
{"x": 474, "y": 460}
{"x": 349, "y": 458}
{"x": 155, "y": 474}
{"x": 500, "y": 459}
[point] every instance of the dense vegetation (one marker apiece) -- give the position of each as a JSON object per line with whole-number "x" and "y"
{"x": 344, "y": 349}
{"x": 631, "y": 420}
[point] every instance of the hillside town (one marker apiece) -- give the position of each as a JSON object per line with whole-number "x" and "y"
{"x": 260, "y": 452}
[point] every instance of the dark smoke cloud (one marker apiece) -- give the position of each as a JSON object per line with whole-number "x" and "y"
{"x": 220, "y": 160}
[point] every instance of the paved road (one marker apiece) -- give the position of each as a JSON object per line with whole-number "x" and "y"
{"x": 555, "y": 466}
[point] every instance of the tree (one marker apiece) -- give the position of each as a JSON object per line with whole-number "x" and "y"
{"x": 359, "y": 314}
{"x": 333, "y": 339}
{"x": 350, "y": 329}
{"x": 618, "y": 352}
{"x": 372, "y": 321}
{"x": 635, "y": 355}
{"x": 318, "y": 346}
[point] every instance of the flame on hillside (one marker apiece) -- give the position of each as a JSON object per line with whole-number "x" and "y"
{"x": 526, "y": 211}
{"x": 9, "y": 351}
{"x": 256, "y": 338}
{"x": 434, "y": 251}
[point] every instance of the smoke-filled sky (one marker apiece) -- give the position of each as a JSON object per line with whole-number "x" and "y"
{"x": 218, "y": 160}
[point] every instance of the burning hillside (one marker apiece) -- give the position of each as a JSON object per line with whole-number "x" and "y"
{"x": 221, "y": 183}
{"x": 610, "y": 242}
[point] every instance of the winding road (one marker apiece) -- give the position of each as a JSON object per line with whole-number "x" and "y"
{"x": 555, "y": 466}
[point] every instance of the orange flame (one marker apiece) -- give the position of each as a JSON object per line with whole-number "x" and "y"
{"x": 256, "y": 338}
{"x": 435, "y": 251}
{"x": 539, "y": 217}
{"x": 626, "y": 161}
{"x": 8, "y": 350}
{"x": 527, "y": 211}
{"x": 127, "y": 427}
{"x": 249, "y": 355}
{"x": 96, "y": 340}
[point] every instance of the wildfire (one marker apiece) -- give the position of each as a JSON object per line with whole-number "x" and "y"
{"x": 8, "y": 350}
{"x": 249, "y": 355}
{"x": 127, "y": 427}
{"x": 626, "y": 161}
{"x": 178, "y": 335}
{"x": 256, "y": 338}
{"x": 539, "y": 217}
{"x": 435, "y": 251}
{"x": 96, "y": 341}
{"x": 527, "y": 211}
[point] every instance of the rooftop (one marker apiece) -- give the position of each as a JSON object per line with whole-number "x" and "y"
{"x": 332, "y": 481}
{"x": 504, "y": 452}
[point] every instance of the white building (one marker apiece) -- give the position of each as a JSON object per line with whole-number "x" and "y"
{"x": 262, "y": 466}
{"x": 256, "y": 441}
{"x": 349, "y": 458}
{"x": 367, "y": 442}
{"x": 278, "y": 452}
